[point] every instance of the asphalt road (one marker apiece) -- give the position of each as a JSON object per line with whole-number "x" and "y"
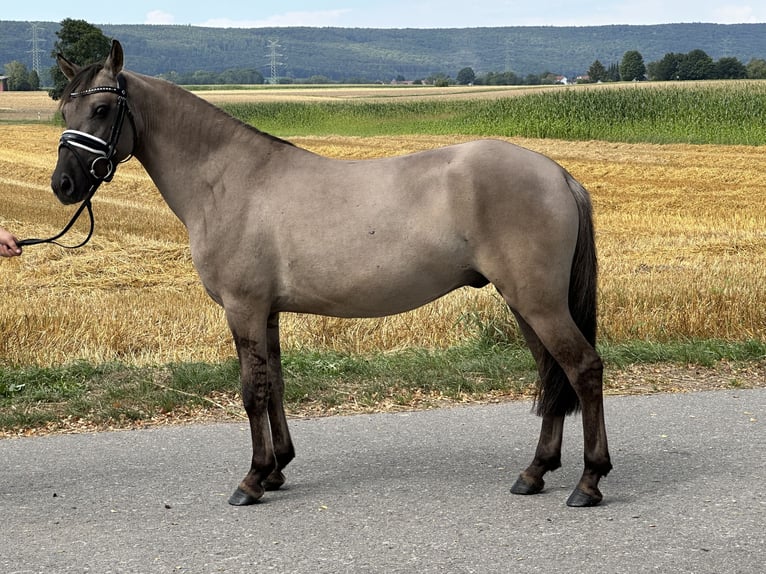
{"x": 415, "y": 492}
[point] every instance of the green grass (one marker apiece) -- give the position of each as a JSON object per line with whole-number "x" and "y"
{"x": 115, "y": 394}
{"x": 719, "y": 113}
{"x": 705, "y": 353}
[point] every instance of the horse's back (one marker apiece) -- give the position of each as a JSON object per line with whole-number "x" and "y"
{"x": 462, "y": 183}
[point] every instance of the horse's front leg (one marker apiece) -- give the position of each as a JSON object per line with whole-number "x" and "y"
{"x": 253, "y": 360}
{"x": 280, "y": 434}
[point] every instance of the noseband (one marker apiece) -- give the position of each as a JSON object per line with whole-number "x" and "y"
{"x": 102, "y": 167}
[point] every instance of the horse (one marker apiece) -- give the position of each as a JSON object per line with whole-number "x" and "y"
{"x": 275, "y": 228}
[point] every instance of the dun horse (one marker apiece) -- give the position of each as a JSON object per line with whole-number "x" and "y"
{"x": 275, "y": 228}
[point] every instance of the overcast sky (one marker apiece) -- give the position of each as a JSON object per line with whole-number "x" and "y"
{"x": 389, "y": 14}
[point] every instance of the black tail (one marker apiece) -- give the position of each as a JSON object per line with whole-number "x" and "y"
{"x": 556, "y": 396}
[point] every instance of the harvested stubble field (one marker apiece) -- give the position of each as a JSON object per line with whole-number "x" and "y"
{"x": 681, "y": 236}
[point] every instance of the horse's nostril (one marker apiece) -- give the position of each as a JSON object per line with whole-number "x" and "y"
{"x": 65, "y": 185}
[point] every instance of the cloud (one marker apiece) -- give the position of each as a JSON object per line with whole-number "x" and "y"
{"x": 735, "y": 14}
{"x": 313, "y": 19}
{"x": 159, "y": 17}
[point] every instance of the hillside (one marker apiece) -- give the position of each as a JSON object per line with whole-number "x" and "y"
{"x": 382, "y": 54}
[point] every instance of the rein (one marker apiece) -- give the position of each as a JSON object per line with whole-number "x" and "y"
{"x": 54, "y": 239}
{"x": 102, "y": 168}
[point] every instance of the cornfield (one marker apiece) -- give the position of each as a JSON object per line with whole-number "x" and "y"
{"x": 723, "y": 113}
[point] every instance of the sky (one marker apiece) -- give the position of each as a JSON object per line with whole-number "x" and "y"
{"x": 390, "y": 13}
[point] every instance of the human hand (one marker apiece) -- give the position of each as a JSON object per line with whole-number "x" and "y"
{"x": 8, "y": 245}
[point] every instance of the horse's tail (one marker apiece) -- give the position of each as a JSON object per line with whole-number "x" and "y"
{"x": 556, "y": 395}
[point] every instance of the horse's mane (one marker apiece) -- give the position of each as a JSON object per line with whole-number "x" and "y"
{"x": 87, "y": 74}
{"x": 217, "y": 110}
{"x": 247, "y": 126}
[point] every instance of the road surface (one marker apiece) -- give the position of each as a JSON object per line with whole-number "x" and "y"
{"x": 419, "y": 492}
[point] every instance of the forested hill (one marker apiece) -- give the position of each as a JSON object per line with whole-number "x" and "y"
{"x": 382, "y": 54}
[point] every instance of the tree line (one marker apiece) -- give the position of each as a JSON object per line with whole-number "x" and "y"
{"x": 82, "y": 42}
{"x": 693, "y": 65}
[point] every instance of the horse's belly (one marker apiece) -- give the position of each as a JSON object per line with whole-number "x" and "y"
{"x": 374, "y": 295}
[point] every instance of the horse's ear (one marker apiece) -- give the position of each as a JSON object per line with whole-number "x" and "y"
{"x": 114, "y": 61}
{"x": 68, "y": 68}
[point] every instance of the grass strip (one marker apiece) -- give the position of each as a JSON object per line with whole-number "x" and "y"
{"x": 116, "y": 394}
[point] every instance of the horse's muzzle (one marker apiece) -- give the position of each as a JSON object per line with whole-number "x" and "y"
{"x": 64, "y": 188}
{"x": 72, "y": 180}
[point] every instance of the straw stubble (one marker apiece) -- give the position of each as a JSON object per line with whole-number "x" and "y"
{"x": 681, "y": 233}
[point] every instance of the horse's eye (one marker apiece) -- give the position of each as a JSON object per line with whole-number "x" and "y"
{"x": 101, "y": 111}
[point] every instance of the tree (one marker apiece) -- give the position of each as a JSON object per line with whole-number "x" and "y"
{"x": 613, "y": 72}
{"x": 730, "y": 69}
{"x": 81, "y": 43}
{"x": 499, "y": 79}
{"x": 696, "y": 65}
{"x": 597, "y": 72}
{"x": 241, "y": 76}
{"x": 466, "y": 76}
{"x": 632, "y": 66}
{"x": 440, "y": 80}
{"x": 18, "y": 77}
{"x": 34, "y": 81}
{"x": 532, "y": 80}
{"x": 667, "y": 68}
{"x": 756, "y": 69}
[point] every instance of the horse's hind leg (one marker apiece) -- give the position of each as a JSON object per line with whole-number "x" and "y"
{"x": 548, "y": 452}
{"x": 584, "y": 371}
{"x": 280, "y": 434}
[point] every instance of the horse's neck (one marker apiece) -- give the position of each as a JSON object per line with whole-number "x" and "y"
{"x": 180, "y": 141}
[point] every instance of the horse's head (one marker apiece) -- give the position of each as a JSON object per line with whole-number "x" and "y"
{"x": 94, "y": 106}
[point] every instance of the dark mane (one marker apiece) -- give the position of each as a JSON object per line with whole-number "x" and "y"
{"x": 247, "y": 126}
{"x": 260, "y": 132}
{"x": 85, "y": 76}
{"x": 223, "y": 112}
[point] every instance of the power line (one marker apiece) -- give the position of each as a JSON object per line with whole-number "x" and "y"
{"x": 36, "y": 49}
{"x": 274, "y": 62}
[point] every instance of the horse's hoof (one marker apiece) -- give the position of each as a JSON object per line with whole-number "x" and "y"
{"x": 581, "y": 499}
{"x": 274, "y": 481}
{"x": 241, "y": 497}
{"x": 521, "y": 486}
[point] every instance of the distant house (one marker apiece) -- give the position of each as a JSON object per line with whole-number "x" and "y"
{"x": 555, "y": 79}
{"x": 3, "y": 83}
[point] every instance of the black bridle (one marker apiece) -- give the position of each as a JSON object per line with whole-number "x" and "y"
{"x": 102, "y": 167}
